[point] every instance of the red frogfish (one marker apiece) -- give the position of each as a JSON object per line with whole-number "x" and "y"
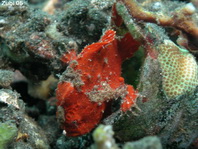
{"x": 91, "y": 80}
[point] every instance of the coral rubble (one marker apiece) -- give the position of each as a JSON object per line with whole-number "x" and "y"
{"x": 128, "y": 66}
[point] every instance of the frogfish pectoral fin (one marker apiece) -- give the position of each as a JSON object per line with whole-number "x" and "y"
{"x": 129, "y": 99}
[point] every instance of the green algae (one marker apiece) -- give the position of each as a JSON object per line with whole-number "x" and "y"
{"x": 129, "y": 22}
{"x": 7, "y": 133}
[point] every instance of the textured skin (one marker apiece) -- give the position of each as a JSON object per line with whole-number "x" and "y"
{"x": 91, "y": 80}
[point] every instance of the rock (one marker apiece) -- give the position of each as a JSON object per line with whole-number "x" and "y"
{"x": 30, "y": 135}
{"x": 81, "y": 142}
{"x": 166, "y": 118}
{"x": 6, "y": 78}
{"x": 103, "y": 137}
{"x": 11, "y": 98}
{"x": 151, "y": 142}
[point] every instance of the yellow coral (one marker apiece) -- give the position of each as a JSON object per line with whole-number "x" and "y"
{"x": 179, "y": 69}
